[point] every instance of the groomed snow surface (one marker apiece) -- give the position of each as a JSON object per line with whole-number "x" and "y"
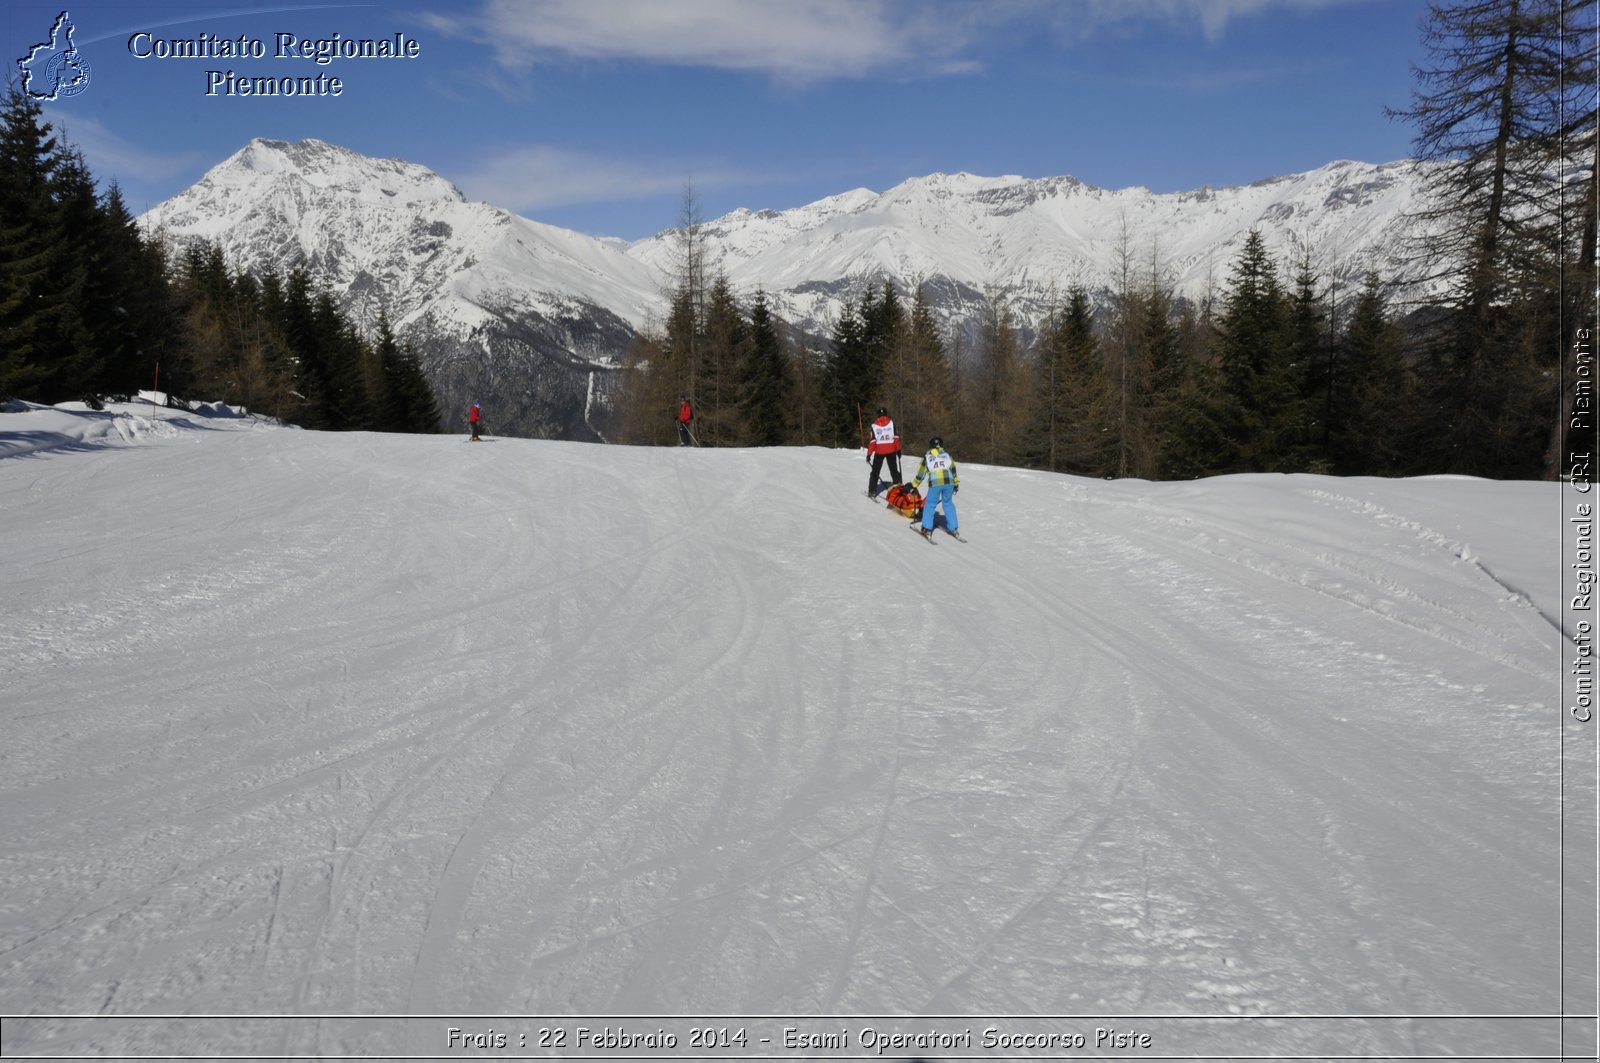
{"x": 333, "y": 725}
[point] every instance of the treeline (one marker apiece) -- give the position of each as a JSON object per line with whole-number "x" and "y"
{"x": 278, "y": 346}
{"x": 1271, "y": 374}
{"x": 92, "y": 309}
{"x": 1146, "y": 384}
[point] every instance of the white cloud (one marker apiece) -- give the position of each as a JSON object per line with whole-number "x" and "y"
{"x": 802, "y": 40}
{"x": 812, "y": 40}
{"x": 539, "y": 177}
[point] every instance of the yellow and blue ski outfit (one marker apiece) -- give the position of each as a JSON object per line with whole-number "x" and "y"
{"x": 939, "y": 469}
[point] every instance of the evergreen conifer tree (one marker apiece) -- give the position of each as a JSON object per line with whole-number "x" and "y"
{"x": 767, "y": 371}
{"x": 403, "y": 400}
{"x": 141, "y": 310}
{"x": 1259, "y": 378}
{"x": 1373, "y": 393}
{"x": 306, "y": 342}
{"x": 1306, "y": 348}
{"x": 847, "y": 383}
{"x": 41, "y": 331}
{"x": 1074, "y": 413}
{"x": 347, "y": 404}
{"x": 883, "y": 321}
{"x": 1164, "y": 415}
{"x": 88, "y": 281}
{"x": 723, "y": 388}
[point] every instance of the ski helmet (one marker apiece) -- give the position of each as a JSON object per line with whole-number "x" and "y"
{"x": 936, "y": 443}
{"x": 882, "y": 412}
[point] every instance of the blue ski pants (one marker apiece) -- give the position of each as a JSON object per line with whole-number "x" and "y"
{"x": 940, "y": 495}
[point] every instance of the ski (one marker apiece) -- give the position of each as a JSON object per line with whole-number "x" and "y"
{"x": 958, "y": 538}
{"x": 927, "y": 536}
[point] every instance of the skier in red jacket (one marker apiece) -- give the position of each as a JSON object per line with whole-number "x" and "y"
{"x": 475, "y": 419}
{"x": 885, "y": 443}
{"x": 685, "y": 415}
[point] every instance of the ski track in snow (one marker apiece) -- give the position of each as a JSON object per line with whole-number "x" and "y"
{"x": 351, "y": 724}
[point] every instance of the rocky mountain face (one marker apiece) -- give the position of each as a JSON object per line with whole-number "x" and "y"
{"x": 498, "y": 306}
{"x": 534, "y": 319}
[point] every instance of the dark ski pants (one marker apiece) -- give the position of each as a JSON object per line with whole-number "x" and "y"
{"x": 877, "y": 467}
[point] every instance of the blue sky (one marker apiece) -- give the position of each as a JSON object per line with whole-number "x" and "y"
{"x": 594, "y": 114}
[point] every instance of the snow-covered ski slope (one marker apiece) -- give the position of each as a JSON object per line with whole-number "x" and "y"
{"x": 307, "y": 724}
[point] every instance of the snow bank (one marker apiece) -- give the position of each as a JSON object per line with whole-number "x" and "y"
{"x": 26, "y": 428}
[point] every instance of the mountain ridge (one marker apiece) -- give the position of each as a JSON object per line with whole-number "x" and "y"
{"x": 493, "y": 300}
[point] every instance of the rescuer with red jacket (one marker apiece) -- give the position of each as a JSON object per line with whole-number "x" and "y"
{"x": 885, "y": 443}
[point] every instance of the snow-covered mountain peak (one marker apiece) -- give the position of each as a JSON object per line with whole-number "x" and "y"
{"x": 1028, "y": 239}
{"x": 955, "y": 184}
{"x": 394, "y": 231}
{"x": 268, "y": 182}
{"x": 328, "y": 166}
{"x": 469, "y": 284}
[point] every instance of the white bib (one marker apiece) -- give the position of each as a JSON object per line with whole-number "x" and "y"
{"x": 883, "y": 434}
